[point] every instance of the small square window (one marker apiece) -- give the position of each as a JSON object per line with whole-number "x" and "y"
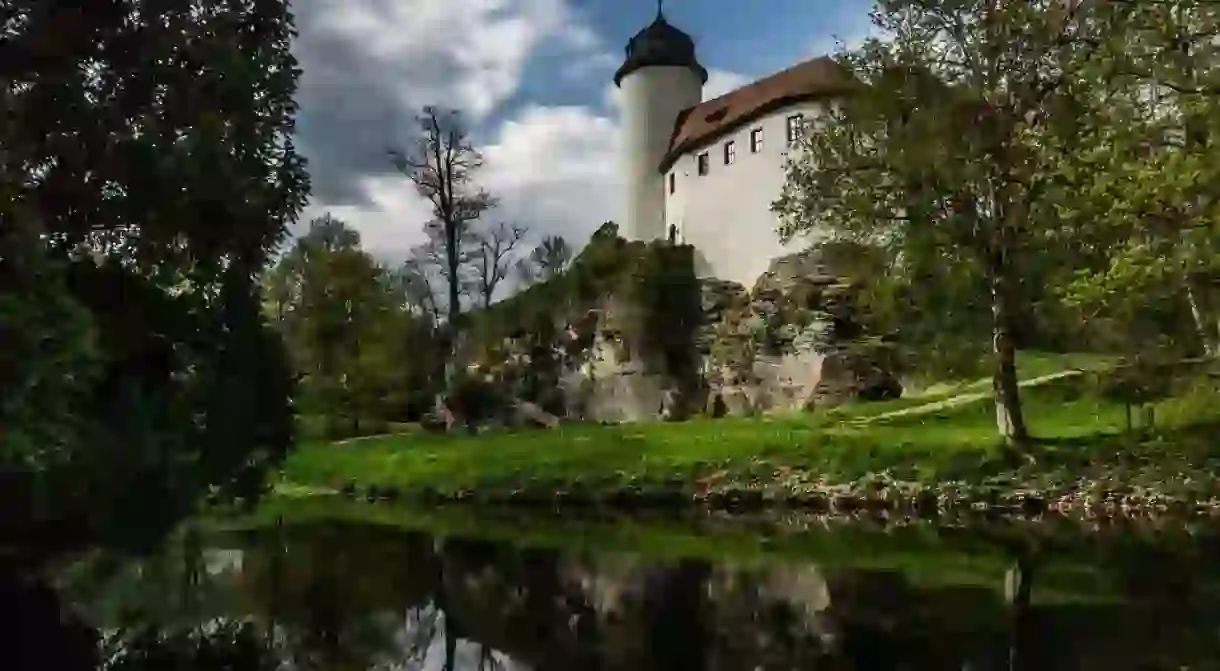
{"x": 703, "y": 164}
{"x": 730, "y": 152}
{"x": 796, "y": 128}
{"x": 671, "y": 182}
{"x": 756, "y": 140}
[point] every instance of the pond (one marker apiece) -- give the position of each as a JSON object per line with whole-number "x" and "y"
{"x": 478, "y": 591}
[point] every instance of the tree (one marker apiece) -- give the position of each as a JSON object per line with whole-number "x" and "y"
{"x": 147, "y": 154}
{"x": 1144, "y": 197}
{"x": 442, "y": 165}
{"x": 944, "y": 140}
{"x": 546, "y": 261}
{"x": 491, "y": 259}
{"x": 337, "y": 295}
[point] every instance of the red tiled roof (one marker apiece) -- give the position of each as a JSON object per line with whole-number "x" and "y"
{"x": 816, "y": 78}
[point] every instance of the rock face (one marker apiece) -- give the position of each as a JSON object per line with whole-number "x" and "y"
{"x": 790, "y": 344}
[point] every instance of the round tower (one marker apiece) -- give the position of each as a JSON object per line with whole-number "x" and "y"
{"x": 660, "y": 78}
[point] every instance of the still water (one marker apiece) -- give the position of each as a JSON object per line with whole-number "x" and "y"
{"x": 646, "y": 594}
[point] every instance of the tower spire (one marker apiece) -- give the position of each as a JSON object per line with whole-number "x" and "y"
{"x": 660, "y": 10}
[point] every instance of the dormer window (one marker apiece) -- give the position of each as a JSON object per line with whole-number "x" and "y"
{"x": 796, "y": 128}
{"x": 703, "y": 164}
{"x": 730, "y": 152}
{"x": 756, "y": 140}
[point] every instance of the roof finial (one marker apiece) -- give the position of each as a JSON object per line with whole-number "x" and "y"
{"x": 660, "y": 10}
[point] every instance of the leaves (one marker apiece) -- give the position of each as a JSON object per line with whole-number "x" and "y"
{"x": 148, "y": 155}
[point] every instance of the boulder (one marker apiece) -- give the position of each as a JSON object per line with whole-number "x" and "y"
{"x": 530, "y": 413}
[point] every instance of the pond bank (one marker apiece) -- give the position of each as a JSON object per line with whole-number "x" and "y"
{"x": 918, "y": 464}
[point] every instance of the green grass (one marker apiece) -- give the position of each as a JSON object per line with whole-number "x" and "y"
{"x": 957, "y": 443}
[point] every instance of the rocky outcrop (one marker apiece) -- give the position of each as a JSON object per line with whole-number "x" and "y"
{"x": 792, "y": 343}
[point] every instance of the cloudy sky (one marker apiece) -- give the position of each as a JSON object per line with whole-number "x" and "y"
{"x": 534, "y": 79}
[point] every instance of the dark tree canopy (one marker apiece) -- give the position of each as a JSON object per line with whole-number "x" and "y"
{"x": 147, "y": 173}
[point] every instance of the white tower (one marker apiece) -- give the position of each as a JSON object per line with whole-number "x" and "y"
{"x": 659, "y": 79}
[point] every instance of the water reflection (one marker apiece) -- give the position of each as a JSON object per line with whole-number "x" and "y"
{"x": 348, "y": 596}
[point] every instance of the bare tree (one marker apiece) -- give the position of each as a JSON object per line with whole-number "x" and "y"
{"x": 425, "y": 275}
{"x": 442, "y": 164}
{"x": 492, "y": 258}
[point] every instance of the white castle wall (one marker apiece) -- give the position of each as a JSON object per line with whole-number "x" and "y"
{"x": 652, "y": 98}
{"x": 726, "y": 214}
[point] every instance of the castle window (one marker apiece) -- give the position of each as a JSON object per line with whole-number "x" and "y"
{"x": 703, "y": 164}
{"x": 756, "y": 140}
{"x": 671, "y": 182}
{"x": 796, "y": 127}
{"x": 730, "y": 152}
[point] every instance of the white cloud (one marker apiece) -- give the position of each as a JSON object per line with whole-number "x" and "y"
{"x": 720, "y": 82}
{"x": 555, "y": 170}
{"x": 369, "y": 65}
{"x": 391, "y": 224}
{"x": 477, "y": 49}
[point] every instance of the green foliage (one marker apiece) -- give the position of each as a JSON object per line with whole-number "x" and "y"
{"x": 50, "y": 358}
{"x": 361, "y": 352}
{"x": 1138, "y": 192}
{"x": 663, "y": 289}
{"x": 148, "y": 159}
{"x": 950, "y": 153}
{"x": 564, "y": 298}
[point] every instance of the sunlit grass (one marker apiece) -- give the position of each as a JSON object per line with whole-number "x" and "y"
{"x": 956, "y": 442}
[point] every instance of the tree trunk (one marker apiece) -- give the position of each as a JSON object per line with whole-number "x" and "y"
{"x": 1010, "y": 422}
{"x": 1207, "y": 323}
{"x": 1018, "y": 590}
{"x": 453, "y": 261}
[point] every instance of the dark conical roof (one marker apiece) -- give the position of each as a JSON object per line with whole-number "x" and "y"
{"x": 660, "y": 44}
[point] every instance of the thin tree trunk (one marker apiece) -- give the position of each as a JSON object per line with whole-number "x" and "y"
{"x": 1206, "y": 324}
{"x": 455, "y": 307}
{"x": 1010, "y": 421}
{"x": 1018, "y": 590}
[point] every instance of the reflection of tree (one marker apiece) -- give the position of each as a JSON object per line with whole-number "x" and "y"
{"x": 353, "y": 597}
{"x": 419, "y": 630}
{"x": 488, "y": 660}
{"x": 1018, "y": 590}
{"x": 675, "y": 616}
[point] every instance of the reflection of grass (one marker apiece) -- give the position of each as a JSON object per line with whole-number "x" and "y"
{"x": 919, "y": 552}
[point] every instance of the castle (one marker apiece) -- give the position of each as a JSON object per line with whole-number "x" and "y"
{"x": 706, "y": 173}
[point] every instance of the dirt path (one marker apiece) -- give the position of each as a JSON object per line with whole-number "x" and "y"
{"x": 962, "y": 399}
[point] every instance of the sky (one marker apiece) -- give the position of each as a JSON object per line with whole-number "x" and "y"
{"x": 533, "y": 79}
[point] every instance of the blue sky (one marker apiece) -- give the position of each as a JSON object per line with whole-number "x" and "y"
{"x": 534, "y": 79}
